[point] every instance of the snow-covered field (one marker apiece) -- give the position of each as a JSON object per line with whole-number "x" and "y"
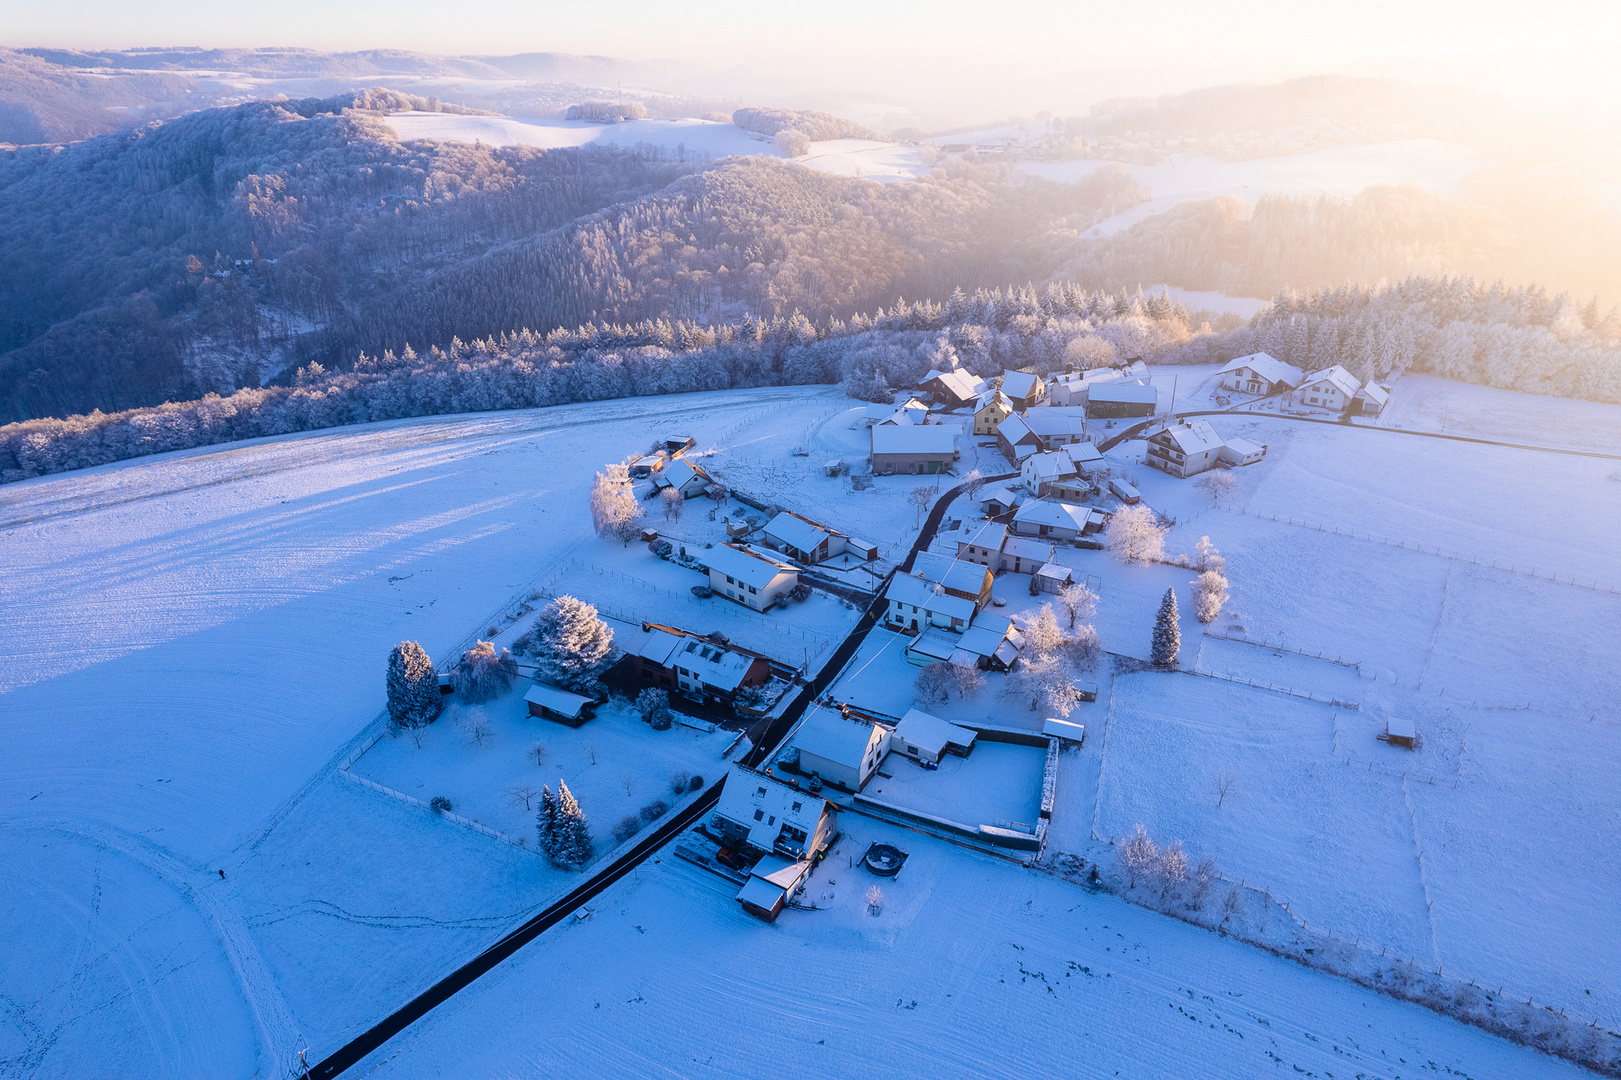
{"x": 191, "y": 645}
{"x": 973, "y": 967}
{"x": 1341, "y": 171}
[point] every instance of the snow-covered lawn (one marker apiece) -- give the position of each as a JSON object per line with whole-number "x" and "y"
{"x": 973, "y": 967}
{"x": 613, "y": 763}
{"x": 996, "y": 783}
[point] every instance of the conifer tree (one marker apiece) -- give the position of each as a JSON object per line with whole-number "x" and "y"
{"x": 413, "y": 688}
{"x": 573, "y": 646}
{"x": 1167, "y": 632}
{"x": 546, "y": 822}
{"x": 571, "y": 835}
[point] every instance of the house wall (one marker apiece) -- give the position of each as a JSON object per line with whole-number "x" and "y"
{"x": 759, "y": 600}
{"x": 1246, "y": 381}
{"x": 1322, "y": 396}
{"x": 1114, "y": 410}
{"x": 1046, "y": 532}
{"x": 909, "y": 464}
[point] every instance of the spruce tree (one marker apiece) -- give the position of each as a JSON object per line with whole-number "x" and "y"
{"x": 1167, "y": 631}
{"x": 573, "y": 835}
{"x": 413, "y": 687}
{"x": 546, "y": 822}
{"x": 573, "y": 646}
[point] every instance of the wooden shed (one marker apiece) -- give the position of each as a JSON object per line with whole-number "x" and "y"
{"x": 555, "y": 703}
{"x": 1399, "y": 731}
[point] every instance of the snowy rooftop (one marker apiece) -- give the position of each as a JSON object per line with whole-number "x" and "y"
{"x": 906, "y": 589}
{"x": 1019, "y": 384}
{"x": 678, "y": 472}
{"x": 933, "y": 439}
{"x": 930, "y": 733}
{"x": 1193, "y": 437}
{"x": 1013, "y": 428}
{"x": 1048, "y": 466}
{"x": 1052, "y": 512}
{"x": 795, "y": 531}
{"x": 1337, "y": 377}
{"x": 997, "y": 493}
{"x": 1083, "y": 453}
{"x": 936, "y": 644}
{"x": 1268, "y": 367}
{"x": 828, "y": 735}
{"x": 1028, "y": 547}
{"x": 745, "y": 566}
{"x": 1056, "y": 420}
{"x": 556, "y": 699}
{"x": 747, "y": 791}
{"x": 988, "y": 536}
{"x": 953, "y": 573}
{"x": 1124, "y": 393}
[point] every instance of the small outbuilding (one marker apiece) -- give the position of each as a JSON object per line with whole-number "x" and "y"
{"x": 925, "y": 738}
{"x": 555, "y": 703}
{"x": 842, "y": 752}
{"x": 1399, "y": 731}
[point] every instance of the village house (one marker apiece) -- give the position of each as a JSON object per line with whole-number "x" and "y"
{"x": 993, "y": 642}
{"x": 1185, "y": 449}
{"x": 1259, "y": 373}
{"x": 915, "y": 604}
{"x": 983, "y": 545}
{"x": 747, "y": 578}
{"x": 1025, "y": 554}
{"x": 1057, "y": 427}
{"x": 968, "y": 580}
{"x": 691, "y": 665}
{"x": 783, "y": 829}
{"x": 1371, "y": 400}
{"x": 838, "y": 751}
{"x": 1331, "y": 388}
{"x": 993, "y": 408}
{"x": 913, "y": 450}
{"x": 925, "y": 738}
{"x": 953, "y": 389}
{"x": 555, "y": 703}
{"x": 997, "y": 499}
{"x": 682, "y": 475}
{"x": 1071, "y": 389}
{"x": 802, "y": 539}
{"x": 1121, "y": 400}
{"x": 1023, "y": 389}
{"x": 1057, "y": 520}
{"x": 1046, "y": 468}
{"x": 1015, "y": 439}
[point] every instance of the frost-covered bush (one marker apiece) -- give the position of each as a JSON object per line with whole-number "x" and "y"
{"x": 628, "y": 826}
{"x": 1209, "y": 595}
{"x": 654, "y": 706}
{"x": 440, "y": 805}
{"x": 483, "y": 673}
{"x": 655, "y": 810}
{"x": 697, "y": 784}
{"x": 679, "y": 781}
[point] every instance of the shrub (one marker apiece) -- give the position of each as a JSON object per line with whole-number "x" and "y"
{"x": 697, "y": 784}
{"x": 799, "y": 593}
{"x": 628, "y": 826}
{"x": 679, "y": 781}
{"x": 440, "y": 805}
{"x": 523, "y": 644}
{"x": 655, "y": 810}
{"x": 483, "y": 674}
{"x": 661, "y": 548}
{"x": 654, "y": 706}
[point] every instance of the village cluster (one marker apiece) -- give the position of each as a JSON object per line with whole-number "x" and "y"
{"x": 985, "y": 621}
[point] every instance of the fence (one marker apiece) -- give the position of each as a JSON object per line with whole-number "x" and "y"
{"x": 1354, "y": 665}
{"x": 1305, "y": 695}
{"x": 446, "y": 814}
{"x": 1512, "y": 568}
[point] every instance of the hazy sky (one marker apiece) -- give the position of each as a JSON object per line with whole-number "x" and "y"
{"x": 1061, "y": 54}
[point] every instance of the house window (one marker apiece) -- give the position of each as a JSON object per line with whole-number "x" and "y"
{"x": 759, "y": 815}
{"x": 773, "y": 820}
{"x": 798, "y": 807}
{"x": 759, "y": 793}
{"x": 752, "y": 589}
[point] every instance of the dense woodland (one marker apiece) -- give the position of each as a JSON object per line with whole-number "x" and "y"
{"x": 1519, "y": 339}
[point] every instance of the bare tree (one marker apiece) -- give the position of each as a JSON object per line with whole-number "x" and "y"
{"x": 522, "y": 793}
{"x": 1134, "y": 536}
{"x": 673, "y": 502}
{"x": 628, "y": 782}
{"x": 875, "y": 900}
{"x": 920, "y": 497}
{"x": 1079, "y": 602}
{"x": 1219, "y": 485}
{"x": 972, "y": 483}
{"x": 476, "y": 726}
{"x": 1224, "y": 782}
{"x": 1138, "y": 856}
{"x": 934, "y": 684}
{"x": 591, "y": 752}
{"x": 539, "y": 754}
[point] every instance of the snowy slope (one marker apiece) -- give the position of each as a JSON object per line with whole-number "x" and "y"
{"x": 694, "y": 136}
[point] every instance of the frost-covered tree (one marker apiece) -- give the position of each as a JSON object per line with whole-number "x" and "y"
{"x": 1089, "y": 351}
{"x": 1209, "y": 557}
{"x": 920, "y": 497}
{"x": 482, "y": 673}
{"x": 1082, "y": 647}
{"x": 1079, "y": 602}
{"x": 1042, "y": 635}
{"x": 1048, "y": 684}
{"x": 546, "y": 821}
{"x": 615, "y": 509}
{"x": 673, "y": 502}
{"x": 793, "y": 143}
{"x": 571, "y": 836}
{"x": 654, "y": 706}
{"x": 413, "y": 689}
{"x": 1167, "y": 631}
{"x": 967, "y": 681}
{"x": 1218, "y": 484}
{"x": 972, "y": 483}
{"x": 934, "y": 683}
{"x": 573, "y": 646}
{"x": 1138, "y": 856}
{"x": 1134, "y": 535}
{"x": 1209, "y": 594}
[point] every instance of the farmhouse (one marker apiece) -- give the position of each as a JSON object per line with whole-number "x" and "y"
{"x": 909, "y": 450}
{"x": 983, "y": 545}
{"x": 1259, "y": 373}
{"x": 802, "y": 539}
{"x": 1057, "y": 520}
{"x": 925, "y": 738}
{"x": 966, "y": 580}
{"x": 1056, "y": 426}
{"x": 1046, "y": 468}
{"x": 1331, "y": 388}
{"x": 994, "y": 407}
{"x": 555, "y": 703}
{"x": 953, "y": 389}
{"x": 915, "y": 604}
{"x": 784, "y": 829}
{"x": 682, "y": 475}
{"x": 747, "y": 578}
{"x": 1114, "y": 400}
{"x": 1015, "y": 439}
{"x": 1023, "y": 388}
{"x": 1185, "y": 449}
{"x": 692, "y": 665}
{"x": 841, "y": 752}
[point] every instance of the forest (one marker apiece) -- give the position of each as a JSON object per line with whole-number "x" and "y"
{"x": 1520, "y": 339}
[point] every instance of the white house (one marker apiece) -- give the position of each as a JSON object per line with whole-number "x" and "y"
{"x": 748, "y": 578}
{"x": 1372, "y": 399}
{"x": 1025, "y": 554}
{"x": 1056, "y": 426}
{"x": 689, "y": 479}
{"x": 838, "y": 750}
{"x": 1054, "y": 519}
{"x": 983, "y": 545}
{"x": 1185, "y": 449}
{"x": 924, "y": 737}
{"x": 1259, "y": 373}
{"x": 915, "y": 604}
{"x": 1046, "y": 468}
{"x": 1331, "y": 388}
{"x": 782, "y": 828}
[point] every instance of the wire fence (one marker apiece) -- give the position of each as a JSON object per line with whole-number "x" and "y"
{"x": 457, "y": 819}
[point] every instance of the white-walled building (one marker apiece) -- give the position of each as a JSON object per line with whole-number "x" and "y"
{"x": 1259, "y": 373}
{"x": 1331, "y": 388}
{"x": 748, "y": 578}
